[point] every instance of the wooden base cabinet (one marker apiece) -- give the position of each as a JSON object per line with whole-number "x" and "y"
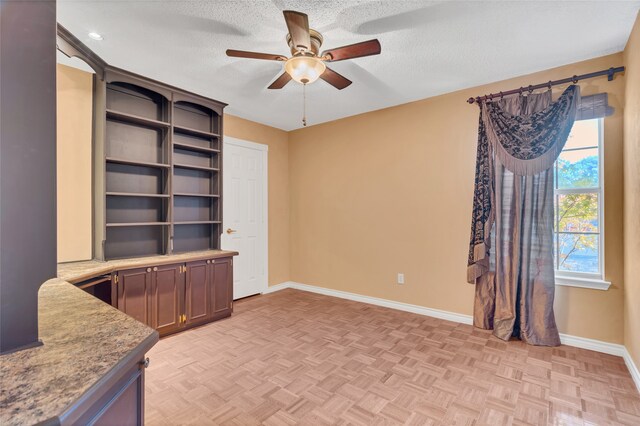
{"x": 171, "y": 298}
{"x": 134, "y": 293}
{"x": 167, "y": 298}
{"x": 197, "y": 299}
{"x": 209, "y": 291}
{"x": 222, "y": 287}
{"x": 122, "y": 402}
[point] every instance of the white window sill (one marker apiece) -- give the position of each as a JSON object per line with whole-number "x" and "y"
{"x": 591, "y": 283}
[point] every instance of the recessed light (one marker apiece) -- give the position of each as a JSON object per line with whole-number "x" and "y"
{"x": 95, "y": 36}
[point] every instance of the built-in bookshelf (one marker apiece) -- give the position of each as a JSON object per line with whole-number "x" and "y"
{"x": 160, "y": 171}
{"x": 196, "y": 172}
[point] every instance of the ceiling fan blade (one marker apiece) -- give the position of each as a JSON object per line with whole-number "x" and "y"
{"x": 357, "y": 50}
{"x": 255, "y": 55}
{"x": 298, "y": 25}
{"x": 280, "y": 81}
{"x": 335, "y": 79}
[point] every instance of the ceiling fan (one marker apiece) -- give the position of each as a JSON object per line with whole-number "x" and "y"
{"x": 306, "y": 65}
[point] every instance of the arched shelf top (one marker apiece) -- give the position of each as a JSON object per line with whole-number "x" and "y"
{"x": 143, "y": 92}
{"x": 115, "y": 77}
{"x": 199, "y": 101}
{"x": 128, "y": 98}
{"x": 195, "y": 117}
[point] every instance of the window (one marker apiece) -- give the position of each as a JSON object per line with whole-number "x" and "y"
{"x": 578, "y": 233}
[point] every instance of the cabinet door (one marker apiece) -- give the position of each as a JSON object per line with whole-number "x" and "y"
{"x": 126, "y": 407}
{"x": 167, "y": 298}
{"x": 197, "y": 290}
{"x": 222, "y": 287}
{"x": 134, "y": 290}
{"x": 119, "y": 401}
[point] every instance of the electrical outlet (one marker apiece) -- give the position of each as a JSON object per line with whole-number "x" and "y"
{"x": 400, "y": 278}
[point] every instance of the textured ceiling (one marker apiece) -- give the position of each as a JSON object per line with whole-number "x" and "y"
{"x": 428, "y": 48}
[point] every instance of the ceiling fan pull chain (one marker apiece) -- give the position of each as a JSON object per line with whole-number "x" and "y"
{"x": 304, "y": 105}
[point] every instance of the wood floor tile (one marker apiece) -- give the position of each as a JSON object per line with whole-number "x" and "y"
{"x": 297, "y": 358}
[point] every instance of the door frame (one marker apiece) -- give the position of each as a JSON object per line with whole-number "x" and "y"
{"x": 264, "y": 154}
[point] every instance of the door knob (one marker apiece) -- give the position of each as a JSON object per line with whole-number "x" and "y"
{"x": 230, "y": 231}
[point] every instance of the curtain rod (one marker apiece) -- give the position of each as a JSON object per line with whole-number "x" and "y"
{"x": 610, "y": 73}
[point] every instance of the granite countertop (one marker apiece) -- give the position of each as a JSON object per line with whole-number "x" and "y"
{"x": 78, "y": 271}
{"x": 83, "y": 340}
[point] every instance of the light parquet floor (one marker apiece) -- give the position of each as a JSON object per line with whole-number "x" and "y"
{"x": 294, "y": 357}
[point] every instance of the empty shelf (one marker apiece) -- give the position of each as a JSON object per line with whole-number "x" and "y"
{"x": 195, "y": 132}
{"x": 136, "y": 119}
{"x": 136, "y": 163}
{"x": 195, "y": 147}
{"x": 189, "y": 166}
{"x": 111, "y": 225}
{"x": 197, "y": 222}
{"x": 192, "y": 194}
{"x": 133, "y": 194}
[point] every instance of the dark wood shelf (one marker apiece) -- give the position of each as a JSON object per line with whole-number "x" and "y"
{"x": 189, "y": 166}
{"x": 195, "y": 148}
{"x": 112, "y": 225}
{"x": 136, "y": 163}
{"x": 95, "y": 281}
{"x": 193, "y": 194}
{"x": 133, "y": 194}
{"x": 136, "y": 119}
{"x": 197, "y": 222}
{"x": 163, "y": 163}
{"x": 194, "y": 132}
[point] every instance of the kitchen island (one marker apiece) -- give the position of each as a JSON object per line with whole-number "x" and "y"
{"x": 91, "y": 361}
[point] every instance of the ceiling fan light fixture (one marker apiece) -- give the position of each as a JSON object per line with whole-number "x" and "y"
{"x": 304, "y": 69}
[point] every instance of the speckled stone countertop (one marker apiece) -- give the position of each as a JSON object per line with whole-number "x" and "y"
{"x": 78, "y": 271}
{"x": 83, "y": 340}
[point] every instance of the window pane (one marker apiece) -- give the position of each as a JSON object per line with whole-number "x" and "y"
{"x": 584, "y": 133}
{"x": 577, "y": 213}
{"x": 578, "y": 253}
{"x": 578, "y": 169}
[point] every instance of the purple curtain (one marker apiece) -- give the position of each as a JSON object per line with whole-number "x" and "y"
{"x": 511, "y": 248}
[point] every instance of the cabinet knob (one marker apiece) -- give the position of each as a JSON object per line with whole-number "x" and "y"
{"x": 144, "y": 363}
{"x": 155, "y": 268}
{"x": 148, "y": 269}
{"x": 208, "y": 261}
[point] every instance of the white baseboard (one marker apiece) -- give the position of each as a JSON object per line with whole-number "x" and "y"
{"x": 421, "y": 310}
{"x": 633, "y": 368}
{"x": 592, "y": 344}
{"x": 566, "y": 339}
{"x": 277, "y": 287}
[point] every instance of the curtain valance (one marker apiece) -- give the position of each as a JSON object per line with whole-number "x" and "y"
{"x": 526, "y": 144}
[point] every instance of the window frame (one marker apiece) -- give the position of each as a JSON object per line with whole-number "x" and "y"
{"x": 593, "y": 280}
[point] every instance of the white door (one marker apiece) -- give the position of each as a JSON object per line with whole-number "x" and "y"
{"x": 245, "y": 214}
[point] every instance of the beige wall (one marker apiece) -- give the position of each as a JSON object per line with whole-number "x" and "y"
{"x": 390, "y": 191}
{"x": 355, "y": 201}
{"x": 75, "y": 91}
{"x": 632, "y": 194}
{"x": 278, "y": 142}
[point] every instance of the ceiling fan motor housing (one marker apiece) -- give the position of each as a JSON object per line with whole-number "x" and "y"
{"x": 316, "y": 42}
